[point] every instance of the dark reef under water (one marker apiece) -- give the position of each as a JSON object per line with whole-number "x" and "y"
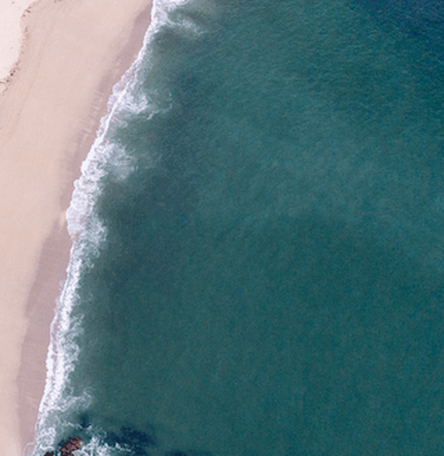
{"x": 129, "y": 439}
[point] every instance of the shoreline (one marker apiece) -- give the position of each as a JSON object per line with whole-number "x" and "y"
{"x": 51, "y": 111}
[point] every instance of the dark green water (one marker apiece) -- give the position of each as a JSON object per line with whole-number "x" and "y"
{"x": 271, "y": 281}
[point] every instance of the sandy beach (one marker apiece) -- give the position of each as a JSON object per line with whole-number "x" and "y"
{"x": 51, "y": 102}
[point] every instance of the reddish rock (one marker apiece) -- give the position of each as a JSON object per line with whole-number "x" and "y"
{"x": 70, "y": 445}
{"x": 66, "y": 448}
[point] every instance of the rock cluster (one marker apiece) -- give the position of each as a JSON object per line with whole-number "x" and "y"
{"x": 66, "y": 448}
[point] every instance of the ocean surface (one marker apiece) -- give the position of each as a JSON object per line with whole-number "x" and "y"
{"x": 258, "y": 263}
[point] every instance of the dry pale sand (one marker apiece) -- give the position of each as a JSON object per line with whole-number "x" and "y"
{"x": 74, "y": 52}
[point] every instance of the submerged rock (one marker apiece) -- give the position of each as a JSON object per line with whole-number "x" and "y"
{"x": 72, "y": 444}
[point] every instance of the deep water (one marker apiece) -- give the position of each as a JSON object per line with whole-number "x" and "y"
{"x": 258, "y": 268}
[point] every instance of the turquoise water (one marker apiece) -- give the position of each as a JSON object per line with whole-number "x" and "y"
{"x": 258, "y": 264}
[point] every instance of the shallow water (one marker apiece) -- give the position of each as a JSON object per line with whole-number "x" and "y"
{"x": 258, "y": 268}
